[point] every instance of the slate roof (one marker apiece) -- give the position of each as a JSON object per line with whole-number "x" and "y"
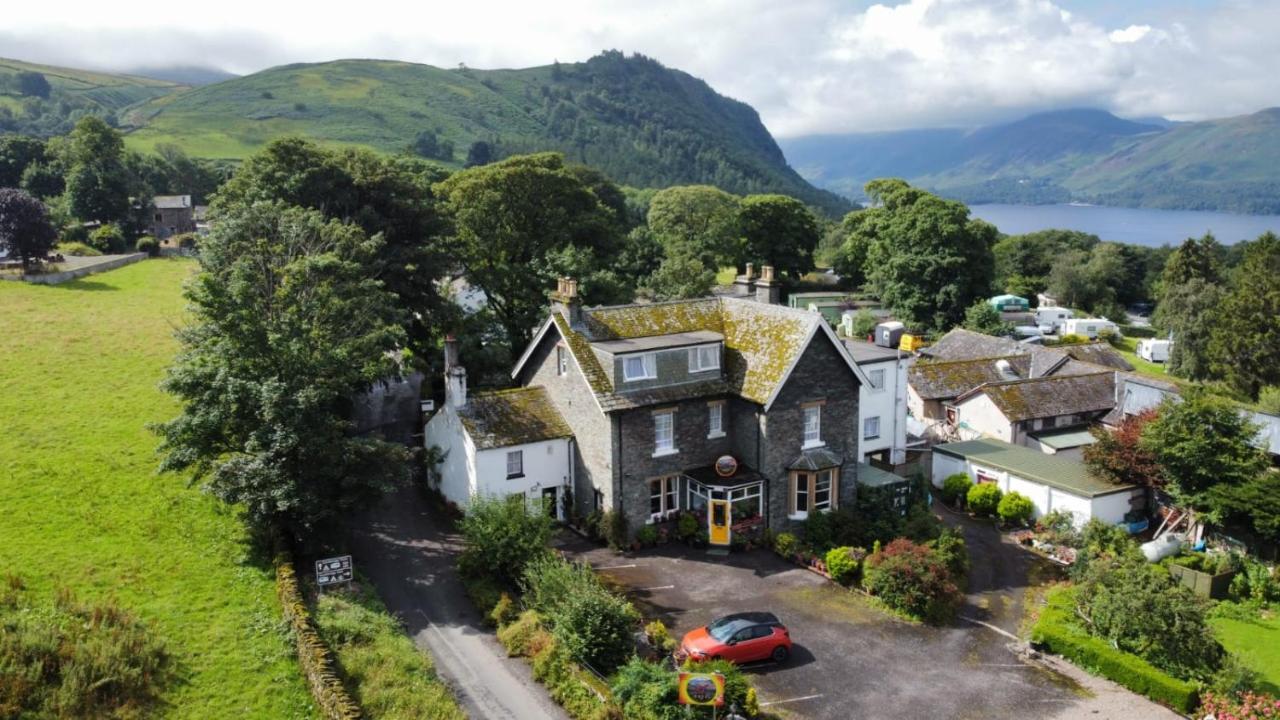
{"x": 961, "y": 344}
{"x": 1051, "y": 470}
{"x": 172, "y": 202}
{"x": 952, "y": 378}
{"x": 761, "y": 344}
{"x": 816, "y": 459}
{"x": 872, "y": 476}
{"x": 1099, "y": 354}
{"x": 1050, "y": 396}
{"x": 504, "y": 418}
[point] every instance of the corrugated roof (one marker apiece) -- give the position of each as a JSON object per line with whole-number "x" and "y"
{"x": 761, "y": 343}
{"x": 503, "y": 418}
{"x": 1065, "y": 438}
{"x": 872, "y": 476}
{"x": 1051, "y": 470}
{"x": 1051, "y": 396}
{"x": 952, "y": 378}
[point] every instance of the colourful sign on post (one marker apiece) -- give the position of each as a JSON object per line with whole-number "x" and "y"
{"x": 701, "y": 689}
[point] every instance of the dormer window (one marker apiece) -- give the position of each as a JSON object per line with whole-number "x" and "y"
{"x": 704, "y": 358}
{"x": 640, "y": 367}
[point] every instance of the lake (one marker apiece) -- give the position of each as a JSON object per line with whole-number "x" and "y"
{"x": 1139, "y": 226}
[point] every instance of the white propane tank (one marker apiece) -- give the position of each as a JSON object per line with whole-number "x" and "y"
{"x": 1162, "y": 547}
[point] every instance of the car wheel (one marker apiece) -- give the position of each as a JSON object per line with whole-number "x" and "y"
{"x": 780, "y": 654}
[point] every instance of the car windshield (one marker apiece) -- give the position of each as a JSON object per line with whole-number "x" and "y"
{"x": 725, "y": 628}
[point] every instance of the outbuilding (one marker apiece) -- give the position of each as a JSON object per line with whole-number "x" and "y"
{"x": 1051, "y": 482}
{"x": 1010, "y": 303}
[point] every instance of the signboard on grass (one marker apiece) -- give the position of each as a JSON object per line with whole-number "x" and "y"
{"x": 701, "y": 689}
{"x": 334, "y": 570}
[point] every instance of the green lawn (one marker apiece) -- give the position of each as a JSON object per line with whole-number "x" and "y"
{"x": 1257, "y": 642}
{"x": 84, "y": 508}
{"x": 1128, "y": 347}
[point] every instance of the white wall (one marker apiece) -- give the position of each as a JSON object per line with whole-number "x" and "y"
{"x": 1111, "y": 509}
{"x": 889, "y": 403}
{"x": 457, "y": 471}
{"x": 945, "y": 465}
{"x": 979, "y": 417}
{"x": 546, "y": 464}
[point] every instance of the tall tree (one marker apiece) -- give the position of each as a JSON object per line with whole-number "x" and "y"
{"x": 17, "y": 152}
{"x": 777, "y": 230}
{"x": 681, "y": 275}
{"x": 286, "y": 329}
{"x": 926, "y": 258}
{"x": 1188, "y": 313}
{"x": 1119, "y": 457}
{"x": 982, "y": 317}
{"x": 1193, "y": 260}
{"x": 697, "y": 220}
{"x": 97, "y": 182}
{"x": 1246, "y": 337}
{"x": 25, "y": 230}
{"x": 508, "y": 218}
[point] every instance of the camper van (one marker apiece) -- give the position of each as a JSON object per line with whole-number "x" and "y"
{"x": 1049, "y": 319}
{"x": 1088, "y": 327}
{"x": 1153, "y": 350}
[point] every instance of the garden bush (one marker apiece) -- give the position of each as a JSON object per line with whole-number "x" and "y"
{"x": 186, "y": 241}
{"x": 613, "y": 527}
{"x": 1255, "y": 582}
{"x": 567, "y": 685}
{"x": 820, "y": 531}
{"x": 518, "y": 636}
{"x": 955, "y": 488}
{"x": 647, "y": 536}
{"x": 63, "y": 658}
{"x": 148, "y": 245}
{"x": 983, "y": 499}
{"x": 549, "y": 580}
{"x": 77, "y": 248}
{"x": 1059, "y": 528}
{"x": 502, "y": 535}
{"x": 596, "y": 629}
{"x": 659, "y": 636}
{"x": 686, "y": 527}
{"x": 485, "y": 593}
{"x": 1057, "y": 632}
{"x": 108, "y": 239}
{"x": 786, "y": 545}
{"x": 921, "y": 525}
{"x": 844, "y": 564}
{"x": 74, "y": 233}
{"x": 951, "y": 550}
{"x": 504, "y": 611}
{"x": 1015, "y": 508}
{"x": 1244, "y": 706}
{"x": 913, "y": 580}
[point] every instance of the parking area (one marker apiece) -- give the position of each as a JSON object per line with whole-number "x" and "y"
{"x": 850, "y": 659}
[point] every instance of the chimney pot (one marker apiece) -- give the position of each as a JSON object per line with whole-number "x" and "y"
{"x": 768, "y": 290}
{"x": 455, "y": 376}
{"x": 565, "y": 301}
{"x": 766, "y": 272}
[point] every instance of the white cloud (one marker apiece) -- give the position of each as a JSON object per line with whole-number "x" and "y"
{"x": 806, "y": 65}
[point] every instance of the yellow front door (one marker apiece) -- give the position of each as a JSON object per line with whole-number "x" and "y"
{"x": 719, "y": 522}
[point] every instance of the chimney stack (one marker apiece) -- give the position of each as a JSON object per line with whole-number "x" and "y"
{"x": 745, "y": 284}
{"x": 455, "y": 376}
{"x": 565, "y": 301}
{"x": 768, "y": 290}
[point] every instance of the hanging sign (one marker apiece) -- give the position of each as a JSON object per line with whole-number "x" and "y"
{"x": 726, "y": 466}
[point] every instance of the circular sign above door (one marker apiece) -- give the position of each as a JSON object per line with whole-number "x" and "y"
{"x": 726, "y": 466}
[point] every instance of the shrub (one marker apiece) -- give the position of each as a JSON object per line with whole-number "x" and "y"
{"x": 108, "y": 239}
{"x": 591, "y": 524}
{"x": 1056, "y": 631}
{"x": 921, "y": 525}
{"x": 148, "y": 245}
{"x": 1255, "y": 582}
{"x": 686, "y": 527}
{"x": 983, "y": 499}
{"x": 1244, "y": 706}
{"x": 553, "y": 667}
{"x": 1073, "y": 339}
{"x": 646, "y": 691}
{"x": 518, "y": 636}
{"x": 955, "y": 488}
{"x": 844, "y": 564}
{"x": 1015, "y": 508}
{"x": 659, "y": 636}
{"x": 549, "y": 580}
{"x": 786, "y": 545}
{"x": 186, "y": 241}
{"x": 74, "y": 233}
{"x": 820, "y": 531}
{"x": 647, "y": 536}
{"x": 485, "y": 593}
{"x": 1059, "y": 528}
{"x": 77, "y": 248}
{"x": 68, "y": 659}
{"x": 613, "y": 526}
{"x": 504, "y": 611}
{"x": 502, "y": 535}
{"x": 595, "y": 629}
{"x": 912, "y": 579}
{"x": 951, "y": 550}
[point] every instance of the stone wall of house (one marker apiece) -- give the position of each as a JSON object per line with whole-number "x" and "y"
{"x": 820, "y": 375}
{"x": 592, "y": 429}
{"x": 637, "y": 464}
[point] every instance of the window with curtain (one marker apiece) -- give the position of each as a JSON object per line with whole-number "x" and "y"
{"x": 813, "y": 425}
{"x": 664, "y": 433}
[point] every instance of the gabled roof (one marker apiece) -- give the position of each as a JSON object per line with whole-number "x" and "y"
{"x": 171, "y": 202}
{"x": 1050, "y": 396}
{"x": 961, "y": 344}
{"x": 762, "y": 343}
{"x": 952, "y": 378}
{"x": 1098, "y": 353}
{"x": 518, "y": 416}
{"x": 1029, "y": 464}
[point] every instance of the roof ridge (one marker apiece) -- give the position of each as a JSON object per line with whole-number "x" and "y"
{"x": 1046, "y": 377}
{"x": 505, "y": 391}
{"x": 933, "y": 363}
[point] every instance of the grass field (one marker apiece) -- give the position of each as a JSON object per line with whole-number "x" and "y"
{"x": 1257, "y": 642}
{"x": 84, "y": 508}
{"x": 1128, "y": 347}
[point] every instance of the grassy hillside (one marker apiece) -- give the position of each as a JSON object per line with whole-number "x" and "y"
{"x": 73, "y": 94}
{"x": 84, "y": 508}
{"x": 643, "y": 124}
{"x": 1084, "y": 155}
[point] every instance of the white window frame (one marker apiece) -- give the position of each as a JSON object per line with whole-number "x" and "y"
{"x": 704, "y": 358}
{"x": 715, "y": 420}
{"x": 812, "y": 432}
{"x": 804, "y": 483}
{"x": 667, "y": 418}
{"x": 562, "y": 360}
{"x": 666, "y": 490}
{"x": 871, "y": 378}
{"x": 518, "y": 456}
{"x": 816, "y": 505}
{"x": 867, "y": 424}
{"x": 648, "y": 367}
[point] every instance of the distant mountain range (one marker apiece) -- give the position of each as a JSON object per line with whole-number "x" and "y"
{"x": 70, "y": 95}
{"x": 193, "y": 75}
{"x": 1231, "y": 164}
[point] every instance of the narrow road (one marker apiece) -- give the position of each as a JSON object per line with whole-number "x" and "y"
{"x": 997, "y": 574}
{"x": 406, "y": 553}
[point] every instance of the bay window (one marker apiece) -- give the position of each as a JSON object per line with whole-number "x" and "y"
{"x": 663, "y": 496}
{"x": 813, "y": 491}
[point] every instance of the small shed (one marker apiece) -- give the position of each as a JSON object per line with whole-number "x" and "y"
{"x": 1067, "y": 442}
{"x": 892, "y": 492}
{"x": 1153, "y": 350}
{"x": 1051, "y": 482}
{"x": 1010, "y": 303}
{"x": 889, "y": 334}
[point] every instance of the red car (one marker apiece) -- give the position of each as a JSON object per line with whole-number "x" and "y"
{"x": 741, "y": 638}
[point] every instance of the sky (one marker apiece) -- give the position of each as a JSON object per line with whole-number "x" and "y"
{"x": 807, "y": 66}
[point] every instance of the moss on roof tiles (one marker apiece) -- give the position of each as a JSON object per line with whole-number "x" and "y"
{"x": 504, "y": 418}
{"x": 951, "y": 378}
{"x": 1053, "y": 396}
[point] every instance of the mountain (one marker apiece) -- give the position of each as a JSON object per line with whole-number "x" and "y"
{"x": 45, "y": 100}
{"x": 643, "y": 124}
{"x": 1068, "y": 155}
{"x": 191, "y": 75}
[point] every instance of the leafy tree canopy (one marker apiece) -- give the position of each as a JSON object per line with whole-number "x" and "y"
{"x": 1189, "y": 312}
{"x": 699, "y": 220}
{"x": 1193, "y": 260}
{"x": 982, "y": 317}
{"x": 96, "y": 180}
{"x": 681, "y": 275}
{"x": 1246, "y": 336}
{"x": 777, "y": 230}
{"x": 16, "y": 153}
{"x": 1119, "y": 456}
{"x": 25, "y": 230}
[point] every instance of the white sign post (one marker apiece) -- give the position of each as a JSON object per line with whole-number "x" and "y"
{"x": 332, "y": 571}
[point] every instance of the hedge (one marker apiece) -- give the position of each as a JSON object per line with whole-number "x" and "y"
{"x": 1056, "y": 632}
{"x": 1138, "y": 331}
{"x": 315, "y": 657}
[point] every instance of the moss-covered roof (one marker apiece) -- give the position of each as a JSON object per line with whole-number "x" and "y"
{"x": 503, "y": 418}
{"x": 761, "y": 343}
{"x": 952, "y": 378}
{"x": 1051, "y": 396}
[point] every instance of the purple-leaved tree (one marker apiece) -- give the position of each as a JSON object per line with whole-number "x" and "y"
{"x": 25, "y": 230}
